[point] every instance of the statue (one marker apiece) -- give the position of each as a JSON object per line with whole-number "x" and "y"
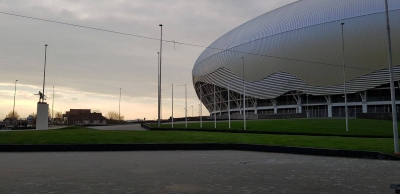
{"x": 41, "y": 96}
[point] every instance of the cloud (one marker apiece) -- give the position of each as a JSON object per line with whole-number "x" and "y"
{"x": 95, "y": 64}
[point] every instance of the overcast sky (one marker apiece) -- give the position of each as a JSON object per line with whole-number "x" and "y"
{"x": 87, "y": 67}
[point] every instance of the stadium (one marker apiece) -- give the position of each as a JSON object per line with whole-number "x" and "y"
{"x": 295, "y": 59}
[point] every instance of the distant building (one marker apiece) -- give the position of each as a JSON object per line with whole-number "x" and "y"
{"x": 83, "y": 117}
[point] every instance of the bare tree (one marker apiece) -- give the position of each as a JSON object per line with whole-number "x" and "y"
{"x": 33, "y": 118}
{"x": 58, "y": 115}
{"x": 10, "y": 115}
{"x": 113, "y": 116}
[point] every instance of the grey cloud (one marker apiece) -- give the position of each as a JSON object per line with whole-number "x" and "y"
{"x": 101, "y": 62}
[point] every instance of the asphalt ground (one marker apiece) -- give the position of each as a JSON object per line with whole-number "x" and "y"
{"x": 192, "y": 172}
{"x": 131, "y": 127}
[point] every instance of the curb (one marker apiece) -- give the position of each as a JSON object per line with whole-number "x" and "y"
{"x": 257, "y": 132}
{"x": 204, "y": 146}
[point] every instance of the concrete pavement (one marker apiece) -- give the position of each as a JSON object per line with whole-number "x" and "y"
{"x": 192, "y": 172}
{"x": 135, "y": 127}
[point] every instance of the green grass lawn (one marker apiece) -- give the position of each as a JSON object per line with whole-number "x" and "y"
{"x": 79, "y": 135}
{"x": 316, "y": 126}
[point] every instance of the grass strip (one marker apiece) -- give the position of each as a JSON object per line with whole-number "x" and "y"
{"x": 362, "y": 127}
{"x": 79, "y": 135}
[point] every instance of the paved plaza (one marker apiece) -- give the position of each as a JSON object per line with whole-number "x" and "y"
{"x": 133, "y": 127}
{"x": 192, "y": 172}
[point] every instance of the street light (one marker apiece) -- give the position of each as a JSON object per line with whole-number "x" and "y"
{"x": 172, "y": 118}
{"x": 229, "y": 108}
{"x": 44, "y": 71}
{"x": 185, "y": 105}
{"x": 52, "y": 109}
{"x": 392, "y": 91}
{"x": 192, "y": 110}
{"x": 119, "y": 106}
{"x": 159, "y": 82}
{"x": 215, "y": 111}
{"x": 244, "y": 102}
{"x": 344, "y": 82}
{"x": 15, "y": 92}
{"x": 308, "y": 113}
{"x": 201, "y": 108}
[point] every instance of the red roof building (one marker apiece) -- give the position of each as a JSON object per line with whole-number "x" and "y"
{"x": 83, "y": 117}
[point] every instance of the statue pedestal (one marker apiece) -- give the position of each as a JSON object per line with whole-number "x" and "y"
{"x": 42, "y": 116}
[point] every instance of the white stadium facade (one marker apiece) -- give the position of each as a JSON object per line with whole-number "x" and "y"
{"x": 294, "y": 62}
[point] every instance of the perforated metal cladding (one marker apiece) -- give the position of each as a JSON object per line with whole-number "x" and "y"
{"x": 281, "y": 82}
{"x": 301, "y": 43}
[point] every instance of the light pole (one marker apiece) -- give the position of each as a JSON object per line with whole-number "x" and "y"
{"x": 15, "y": 92}
{"x": 215, "y": 111}
{"x": 119, "y": 106}
{"x": 172, "y": 118}
{"x": 344, "y": 82}
{"x": 52, "y": 110}
{"x": 159, "y": 82}
{"x": 201, "y": 108}
{"x": 392, "y": 91}
{"x": 308, "y": 114}
{"x": 229, "y": 109}
{"x": 244, "y": 102}
{"x": 185, "y": 105}
{"x": 44, "y": 71}
{"x": 192, "y": 110}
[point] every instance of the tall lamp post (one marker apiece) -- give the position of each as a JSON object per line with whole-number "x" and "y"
{"x": 119, "y": 106}
{"x": 229, "y": 108}
{"x": 172, "y": 106}
{"x": 201, "y": 108}
{"x": 15, "y": 92}
{"x": 42, "y": 117}
{"x": 192, "y": 110}
{"x": 244, "y": 102}
{"x": 52, "y": 110}
{"x": 344, "y": 82}
{"x": 392, "y": 91}
{"x": 308, "y": 113}
{"x": 215, "y": 110}
{"x": 159, "y": 82}
{"x": 44, "y": 71}
{"x": 185, "y": 105}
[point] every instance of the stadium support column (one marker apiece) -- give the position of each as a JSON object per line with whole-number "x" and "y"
{"x": 329, "y": 109}
{"x": 329, "y": 104}
{"x": 255, "y": 106}
{"x": 240, "y": 107}
{"x": 297, "y": 97}
{"x": 299, "y": 108}
{"x": 299, "y": 105}
{"x": 364, "y": 101}
{"x": 275, "y": 106}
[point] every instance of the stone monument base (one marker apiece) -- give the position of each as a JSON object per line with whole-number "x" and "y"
{"x": 42, "y": 116}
